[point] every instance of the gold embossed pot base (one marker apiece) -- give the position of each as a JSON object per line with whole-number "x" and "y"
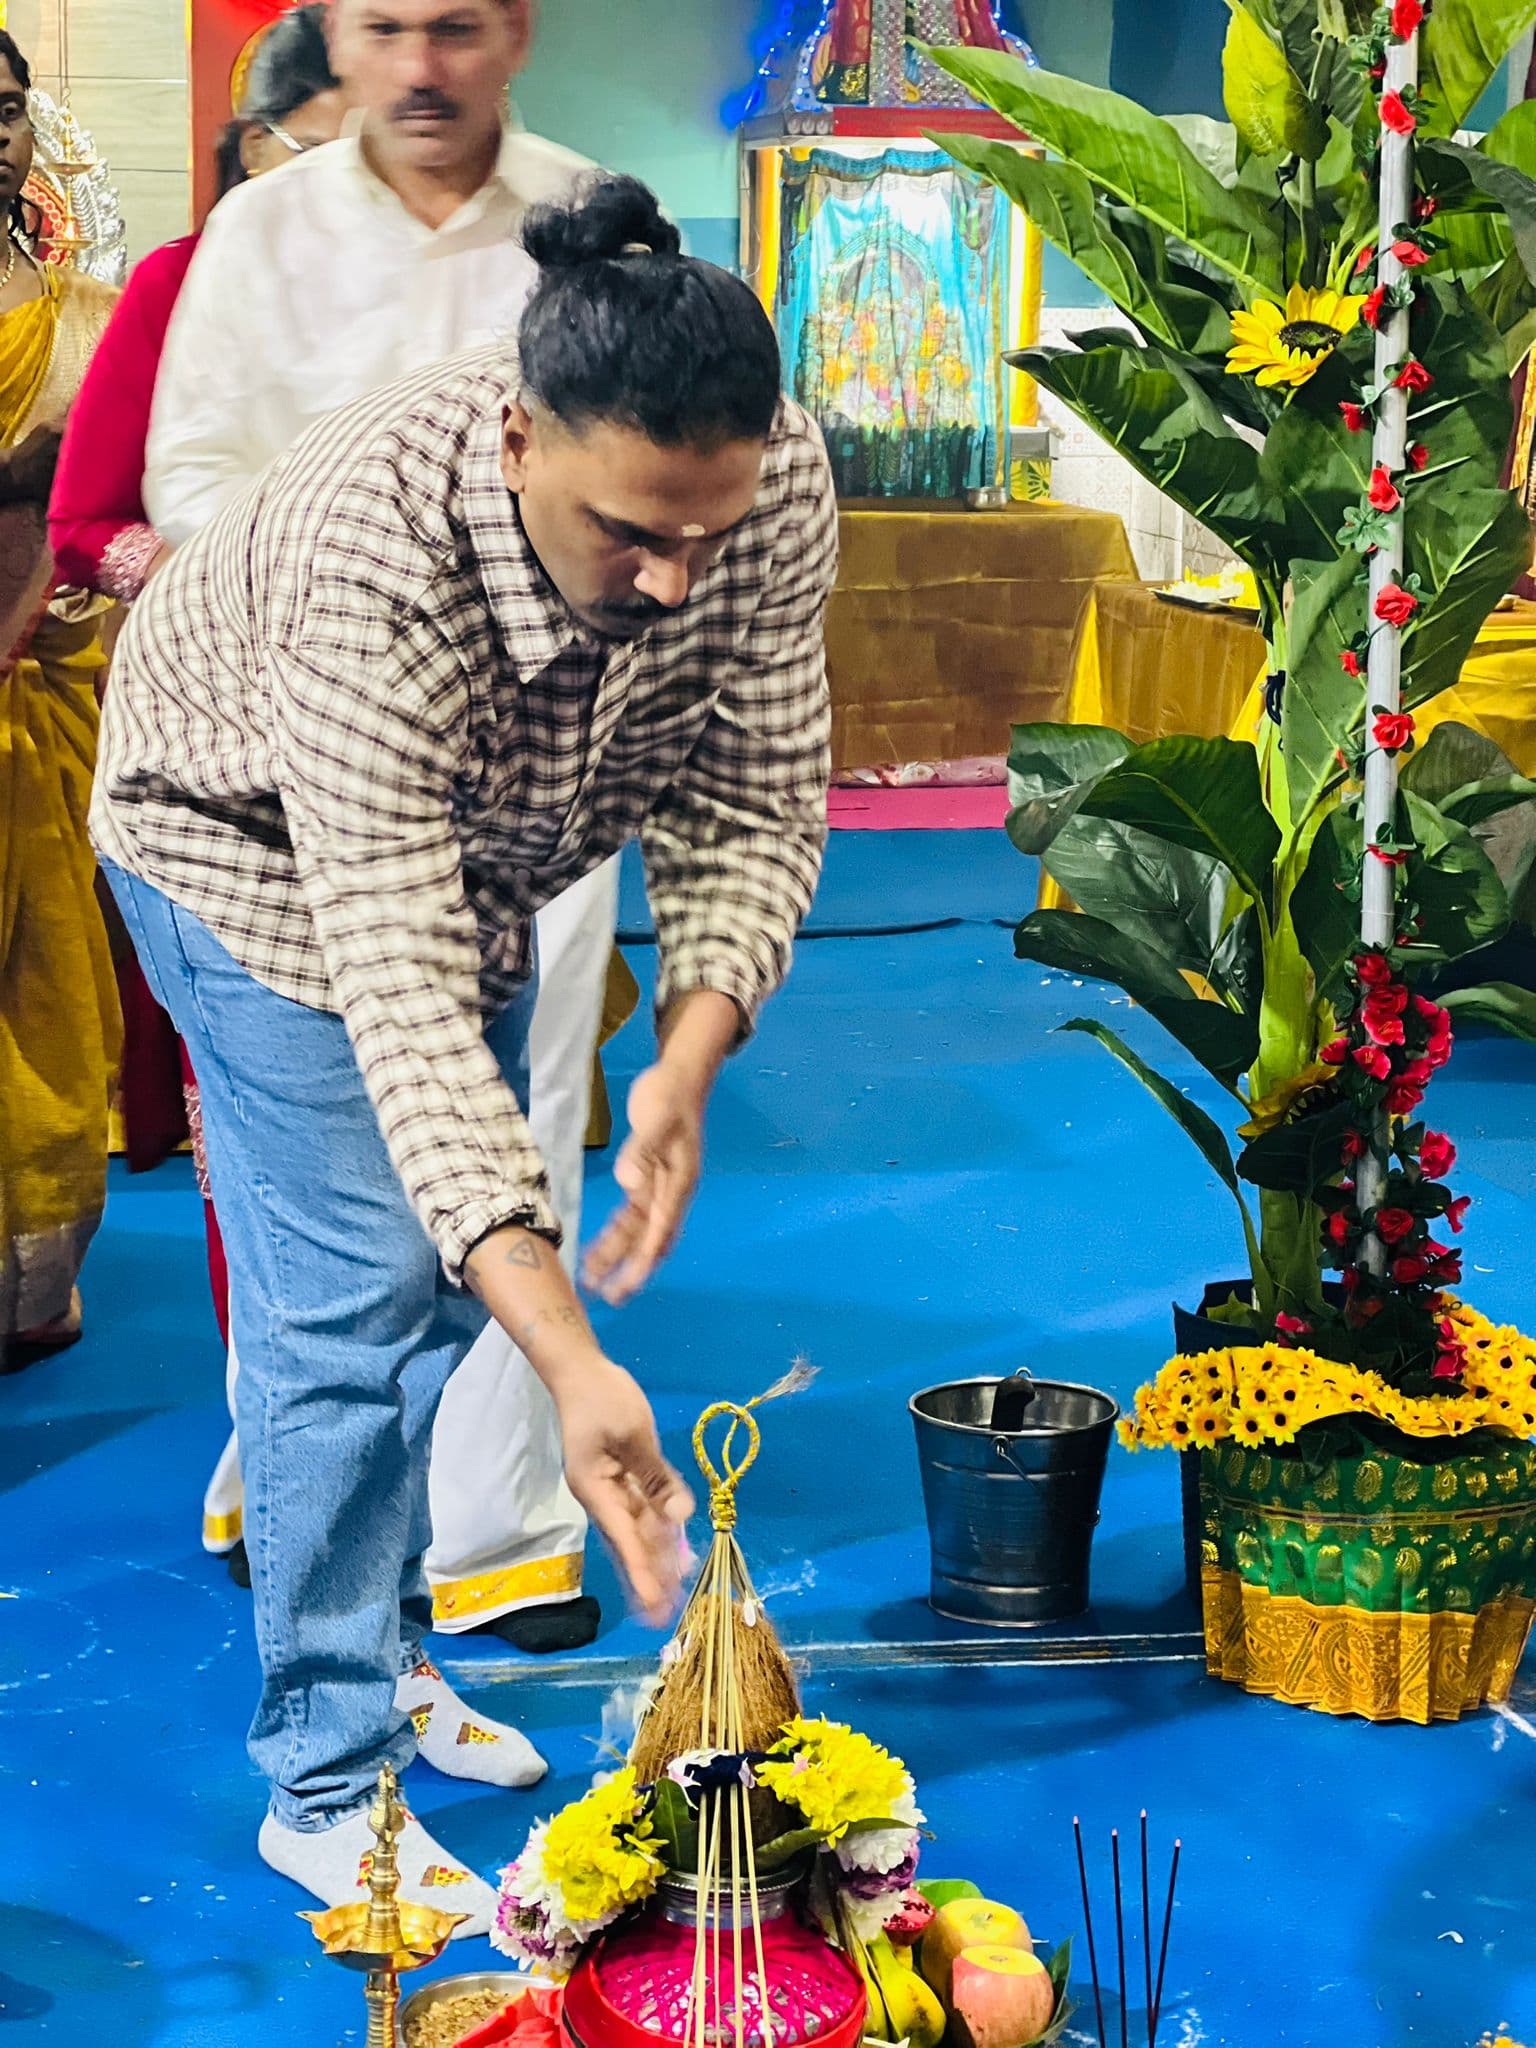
{"x": 1378, "y": 1585}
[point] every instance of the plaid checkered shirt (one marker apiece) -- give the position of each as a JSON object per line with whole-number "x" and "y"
{"x": 353, "y": 729}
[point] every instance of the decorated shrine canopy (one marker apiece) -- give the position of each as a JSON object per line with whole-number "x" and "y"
{"x": 858, "y": 73}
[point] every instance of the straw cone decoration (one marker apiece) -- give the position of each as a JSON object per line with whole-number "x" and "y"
{"x": 726, "y": 1688}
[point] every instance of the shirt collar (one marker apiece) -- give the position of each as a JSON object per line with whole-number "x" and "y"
{"x": 535, "y": 622}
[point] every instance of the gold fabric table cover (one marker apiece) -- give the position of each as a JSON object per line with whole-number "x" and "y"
{"x": 948, "y": 626}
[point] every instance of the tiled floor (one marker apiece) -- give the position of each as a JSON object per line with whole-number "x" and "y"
{"x": 912, "y": 1179}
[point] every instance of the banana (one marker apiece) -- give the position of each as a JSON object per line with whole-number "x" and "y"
{"x": 912, "y": 2010}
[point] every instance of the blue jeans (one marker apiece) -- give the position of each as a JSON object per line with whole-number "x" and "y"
{"x": 347, "y": 1333}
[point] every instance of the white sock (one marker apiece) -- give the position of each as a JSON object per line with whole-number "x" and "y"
{"x": 461, "y": 1743}
{"x": 334, "y": 1864}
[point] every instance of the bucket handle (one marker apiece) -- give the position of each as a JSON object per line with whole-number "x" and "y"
{"x": 1004, "y": 1450}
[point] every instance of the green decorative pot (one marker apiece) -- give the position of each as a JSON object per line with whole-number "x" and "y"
{"x": 1398, "y": 1587}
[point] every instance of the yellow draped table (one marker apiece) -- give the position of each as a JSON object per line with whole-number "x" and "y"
{"x": 1148, "y": 669}
{"x": 947, "y": 626}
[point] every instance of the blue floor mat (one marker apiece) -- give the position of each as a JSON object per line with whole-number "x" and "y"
{"x": 912, "y": 1178}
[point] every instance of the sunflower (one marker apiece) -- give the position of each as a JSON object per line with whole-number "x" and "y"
{"x": 1290, "y": 343}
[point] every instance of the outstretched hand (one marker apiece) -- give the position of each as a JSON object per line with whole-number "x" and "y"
{"x": 658, "y": 1173}
{"x": 638, "y": 1503}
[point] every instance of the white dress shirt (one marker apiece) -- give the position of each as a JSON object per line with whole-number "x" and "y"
{"x": 312, "y": 287}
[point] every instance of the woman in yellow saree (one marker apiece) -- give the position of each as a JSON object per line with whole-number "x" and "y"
{"x": 58, "y": 1004}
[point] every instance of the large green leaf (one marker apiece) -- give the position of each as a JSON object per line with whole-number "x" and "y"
{"x": 1463, "y": 43}
{"x": 1470, "y": 550}
{"x": 1453, "y": 756}
{"x": 677, "y": 1824}
{"x": 1507, "y": 301}
{"x": 1323, "y": 707}
{"x": 1499, "y": 1003}
{"x": 1050, "y": 770}
{"x": 1146, "y": 405}
{"x": 1132, "y": 154}
{"x": 1512, "y": 191}
{"x": 1300, "y": 1156}
{"x": 1314, "y": 468}
{"x": 1203, "y": 794}
{"x": 1063, "y": 204}
{"x": 1266, "y": 102}
{"x": 1325, "y": 903}
{"x": 1224, "y": 1042}
{"x": 1202, "y": 1130}
{"x": 1461, "y": 901}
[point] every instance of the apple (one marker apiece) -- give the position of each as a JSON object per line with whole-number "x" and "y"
{"x": 968, "y": 1923}
{"x": 1001, "y": 1997}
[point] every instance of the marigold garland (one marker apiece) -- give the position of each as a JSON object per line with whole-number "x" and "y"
{"x": 1268, "y": 1393}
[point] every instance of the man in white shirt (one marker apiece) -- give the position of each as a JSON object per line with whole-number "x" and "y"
{"x": 346, "y": 270}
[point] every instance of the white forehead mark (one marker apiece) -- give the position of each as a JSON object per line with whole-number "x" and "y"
{"x": 693, "y": 533}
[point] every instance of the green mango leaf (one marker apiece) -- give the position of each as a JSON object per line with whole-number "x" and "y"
{"x": 1135, "y": 156}
{"x": 1462, "y": 45}
{"x": 1145, "y": 404}
{"x": 1063, "y": 204}
{"x": 1325, "y": 904}
{"x": 1060, "y": 1969}
{"x": 1512, "y": 191}
{"x": 1051, "y": 768}
{"x": 1498, "y": 1003}
{"x": 943, "y": 1891}
{"x": 1298, "y": 1158}
{"x": 1462, "y": 903}
{"x": 678, "y": 1826}
{"x": 1183, "y": 904}
{"x": 1225, "y": 1042}
{"x": 1265, "y": 100}
{"x": 785, "y": 1848}
{"x": 1202, "y": 1130}
{"x": 1203, "y": 794}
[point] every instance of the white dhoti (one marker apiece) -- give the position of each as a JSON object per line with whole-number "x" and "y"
{"x": 507, "y": 1531}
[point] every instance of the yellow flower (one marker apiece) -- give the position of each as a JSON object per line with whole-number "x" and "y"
{"x": 1273, "y": 1109}
{"x": 837, "y": 1777}
{"x": 1290, "y": 343}
{"x": 602, "y": 1852}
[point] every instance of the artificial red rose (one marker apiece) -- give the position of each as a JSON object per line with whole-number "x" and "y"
{"x": 1383, "y": 493}
{"x": 1349, "y": 661}
{"x": 1437, "y": 1052}
{"x": 1427, "y": 1009}
{"x": 1335, "y": 1053}
{"x": 1370, "y": 312}
{"x": 1393, "y": 1225}
{"x": 1413, "y": 376}
{"x": 1393, "y": 730}
{"x": 1456, "y": 1215}
{"x": 1418, "y": 456}
{"x": 1410, "y": 255}
{"x": 1293, "y": 1326}
{"x": 1385, "y": 1027}
{"x": 1404, "y": 1096}
{"x": 1374, "y": 970}
{"x": 1410, "y": 1269}
{"x": 1365, "y": 259}
{"x": 1426, "y": 206}
{"x": 1337, "y": 1228}
{"x": 1387, "y": 857}
{"x": 1373, "y": 1060}
{"x": 1445, "y": 1262}
{"x": 1356, "y": 418}
{"x": 1407, "y": 18}
{"x": 1450, "y": 1362}
{"x": 1395, "y": 115}
{"x": 1354, "y": 1147}
{"x": 1387, "y": 999}
{"x": 1437, "y": 1155}
{"x": 1394, "y": 605}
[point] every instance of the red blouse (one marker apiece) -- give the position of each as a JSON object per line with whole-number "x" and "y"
{"x": 101, "y": 539}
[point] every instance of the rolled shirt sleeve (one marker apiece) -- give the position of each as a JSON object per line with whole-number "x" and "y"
{"x": 366, "y": 751}
{"x": 733, "y": 851}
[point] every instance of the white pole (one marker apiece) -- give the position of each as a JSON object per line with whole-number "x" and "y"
{"x": 1378, "y": 916}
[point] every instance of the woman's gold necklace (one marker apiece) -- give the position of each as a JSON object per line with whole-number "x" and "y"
{"x": 10, "y": 264}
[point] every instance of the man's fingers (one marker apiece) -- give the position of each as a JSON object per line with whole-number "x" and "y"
{"x": 644, "y": 1542}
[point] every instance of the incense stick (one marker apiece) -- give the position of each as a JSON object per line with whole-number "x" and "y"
{"x": 1146, "y": 1924}
{"x": 1114, "y": 1849}
{"x": 1093, "y": 1954}
{"x": 1162, "y": 1961}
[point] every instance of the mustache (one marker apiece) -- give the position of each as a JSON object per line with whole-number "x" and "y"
{"x": 424, "y": 101}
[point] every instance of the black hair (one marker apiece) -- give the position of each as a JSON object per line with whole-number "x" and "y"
{"x": 229, "y": 164}
{"x": 21, "y": 220}
{"x": 290, "y": 68}
{"x": 624, "y": 328}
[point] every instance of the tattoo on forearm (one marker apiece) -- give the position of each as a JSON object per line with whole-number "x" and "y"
{"x": 527, "y": 1252}
{"x": 571, "y": 1318}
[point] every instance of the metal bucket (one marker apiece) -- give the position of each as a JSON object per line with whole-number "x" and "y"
{"x": 1011, "y": 1514}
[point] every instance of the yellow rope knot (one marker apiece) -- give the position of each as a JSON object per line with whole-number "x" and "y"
{"x": 724, "y": 1482}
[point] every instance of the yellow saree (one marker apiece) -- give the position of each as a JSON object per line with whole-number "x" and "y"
{"x": 59, "y": 1024}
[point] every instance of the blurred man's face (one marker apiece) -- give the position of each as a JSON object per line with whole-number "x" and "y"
{"x": 431, "y": 75}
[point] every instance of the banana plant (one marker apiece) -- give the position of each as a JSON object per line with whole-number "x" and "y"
{"x": 1217, "y": 883}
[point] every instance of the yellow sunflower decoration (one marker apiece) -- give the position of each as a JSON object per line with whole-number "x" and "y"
{"x": 1290, "y": 343}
